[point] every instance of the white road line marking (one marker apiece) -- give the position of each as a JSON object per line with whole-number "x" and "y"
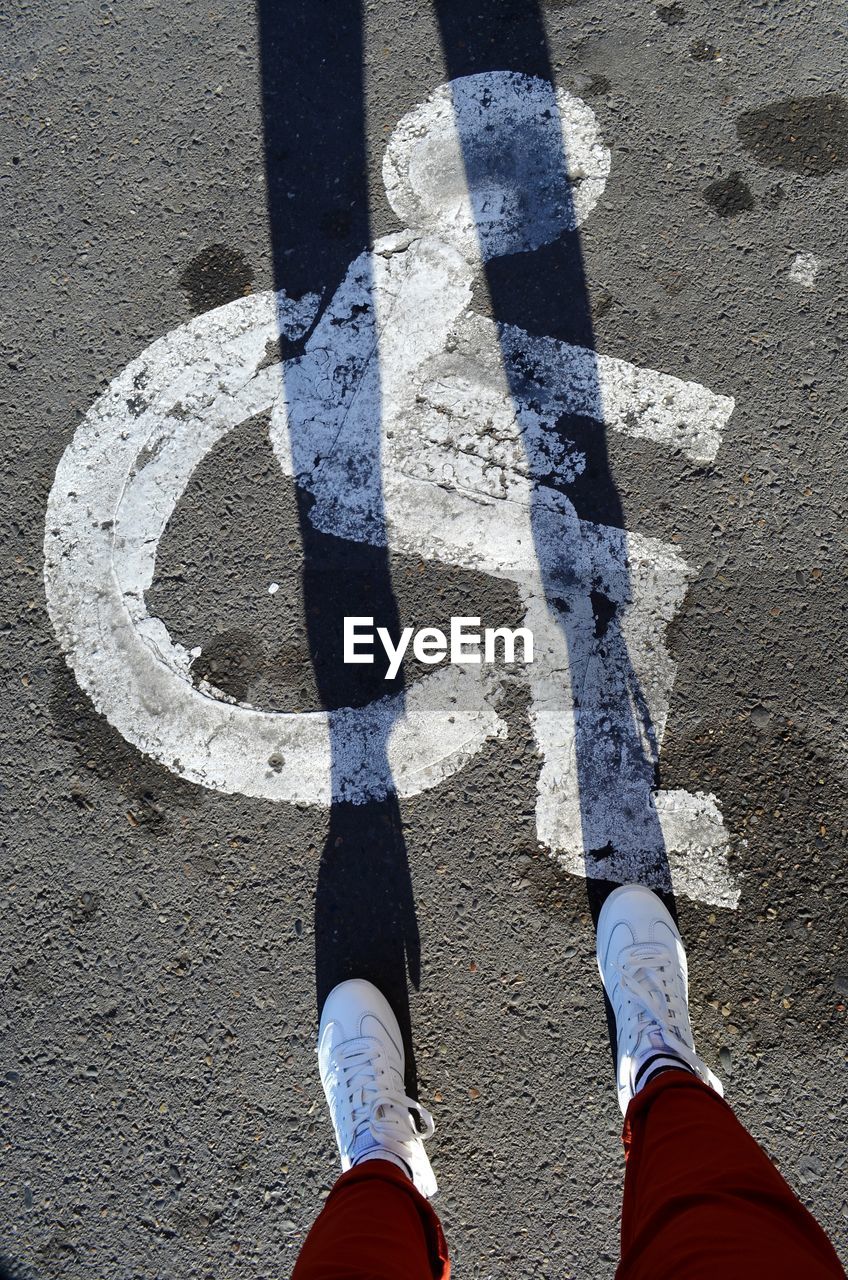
{"x": 460, "y": 453}
{"x": 115, "y": 488}
{"x": 527, "y": 196}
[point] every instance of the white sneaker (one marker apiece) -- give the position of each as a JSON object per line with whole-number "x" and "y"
{"x": 643, "y": 968}
{"x": 361, "y": 1060}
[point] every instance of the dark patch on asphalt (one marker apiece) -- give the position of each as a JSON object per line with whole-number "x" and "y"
{"x": 230, "y": 662}
{"x": 289, "y": 676}
{"x": 154, "y": 795}
{"x": 216, "y": 275}
{"x": 672, "y": 14}
{"x": 802, "y": 135}
{"x": 703, "y": 51}
{"x": 729, "y": 196}
{"x": 597, "y": 86}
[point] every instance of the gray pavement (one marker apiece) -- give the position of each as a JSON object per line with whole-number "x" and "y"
{"x": 162, "y": 1113}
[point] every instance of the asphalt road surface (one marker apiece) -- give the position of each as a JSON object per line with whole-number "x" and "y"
{"x": 165, "y": 941}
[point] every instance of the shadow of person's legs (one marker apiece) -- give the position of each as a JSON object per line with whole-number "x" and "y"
{"x": 316, "y": 170}
{"x": 545, "y": 292}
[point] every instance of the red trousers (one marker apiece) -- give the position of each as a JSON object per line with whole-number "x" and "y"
{"x": 701, "y": 1202}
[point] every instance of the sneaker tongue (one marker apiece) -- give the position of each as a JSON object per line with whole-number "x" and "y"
{"x": 363, "y": 1141}
{"x": 655, "y": 1042}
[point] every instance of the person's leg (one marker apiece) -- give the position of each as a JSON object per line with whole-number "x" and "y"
{"x": 374, "y": 1226}
{"x": 701, "y": 1199}
{"x": 376, "y": 1223}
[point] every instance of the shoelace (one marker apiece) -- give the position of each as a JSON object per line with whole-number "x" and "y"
{"x": 384, "y": 1110}
{"x": 646, "y": 983}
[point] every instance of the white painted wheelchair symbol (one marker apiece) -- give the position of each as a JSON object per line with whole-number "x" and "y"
{"x": 452, "y": 479}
